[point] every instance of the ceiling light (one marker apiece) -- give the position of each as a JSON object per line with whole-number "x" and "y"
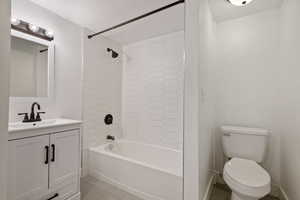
{"x": 239, "y": 2}
{"x": 49, "y": 33}
{"x": 34, "y": 28}
{"x": 15, "y": 21}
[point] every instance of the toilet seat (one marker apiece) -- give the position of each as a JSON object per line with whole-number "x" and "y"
{"x": 247, "y": 177}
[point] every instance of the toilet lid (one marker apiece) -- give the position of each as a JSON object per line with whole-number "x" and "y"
{"x": 247, "y": 172}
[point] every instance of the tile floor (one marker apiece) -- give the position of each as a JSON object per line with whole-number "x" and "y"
{"x": 92, "y": 189}
{"x": 222, "y": 192}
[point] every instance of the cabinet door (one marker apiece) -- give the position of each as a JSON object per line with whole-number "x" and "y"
{"x": 65, "y": 163}
{"x": 28, "y": 168}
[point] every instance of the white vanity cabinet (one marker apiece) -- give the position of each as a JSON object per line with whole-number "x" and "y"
{"x": 28, "y": 174}
{"x": 64, "y": 163}
{"x": 45, "y": 164}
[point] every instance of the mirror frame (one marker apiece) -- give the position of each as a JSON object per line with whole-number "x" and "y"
{"x": 51, "y": 70}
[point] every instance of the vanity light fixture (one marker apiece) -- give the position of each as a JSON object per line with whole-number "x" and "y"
{"x": 239, "y": 2}
{"x": 49, "y": 33}
{"x": 15, "y": 21}
{"x": 33, "y": 28}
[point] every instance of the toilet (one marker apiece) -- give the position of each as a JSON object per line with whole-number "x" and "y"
{"x": 245, "y": 148}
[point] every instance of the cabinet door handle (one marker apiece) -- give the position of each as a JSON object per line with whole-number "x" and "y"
{"x": 53, "y": 152}
{"x": 47, "y": 155}
{"x": 54, "y": 196}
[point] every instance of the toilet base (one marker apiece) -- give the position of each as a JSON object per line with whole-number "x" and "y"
{"x": 235, "y": 196}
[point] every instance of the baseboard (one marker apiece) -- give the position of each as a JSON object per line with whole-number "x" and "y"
{"x": 275, "y": 190}
{"x": 210, "y": 186}
{"x": 220, "y": 179}
{"x": 75, "y": 197}
{"x": 283, "y": 195}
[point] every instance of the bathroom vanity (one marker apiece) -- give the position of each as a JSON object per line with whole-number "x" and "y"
{"x": 44, "y": 160}
{"x": 44, "y": 156}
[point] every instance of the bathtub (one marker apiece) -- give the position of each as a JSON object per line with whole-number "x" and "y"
{"x": 148, "y": 171}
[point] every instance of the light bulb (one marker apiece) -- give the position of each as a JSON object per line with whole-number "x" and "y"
{"x": 239, "y": 2}
{"x": 15, "y": 21}
{"x": 34, "y": 28}
{"x": 49, "y": 33}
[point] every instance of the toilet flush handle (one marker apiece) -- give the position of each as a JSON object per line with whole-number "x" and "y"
{"x": 227, "y": 134}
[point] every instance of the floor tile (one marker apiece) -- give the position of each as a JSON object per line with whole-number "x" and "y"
{"x": 93, "y": 189}
{"x": 222, "y": 192}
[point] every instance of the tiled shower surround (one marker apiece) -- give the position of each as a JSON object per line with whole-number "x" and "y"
{"x": 152, "y": 105}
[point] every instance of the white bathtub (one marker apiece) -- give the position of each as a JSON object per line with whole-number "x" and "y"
{"x": 148, "y": 171}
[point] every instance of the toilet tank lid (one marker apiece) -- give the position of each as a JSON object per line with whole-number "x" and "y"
{"x": 244, "y": 130}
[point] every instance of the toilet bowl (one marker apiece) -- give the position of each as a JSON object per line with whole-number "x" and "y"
{"x": 247, "y": 179}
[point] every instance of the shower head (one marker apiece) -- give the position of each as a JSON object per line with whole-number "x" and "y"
{"x": 114, "y": 54}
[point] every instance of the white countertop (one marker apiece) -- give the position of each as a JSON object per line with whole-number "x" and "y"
{"x": 48, "y": 123}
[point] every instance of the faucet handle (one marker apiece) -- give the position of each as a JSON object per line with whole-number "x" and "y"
{"x": 38, "y": 117}
{"x": 26, "y": 119}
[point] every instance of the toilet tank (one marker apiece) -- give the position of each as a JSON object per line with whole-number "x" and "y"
{"x": 244, "y": 142}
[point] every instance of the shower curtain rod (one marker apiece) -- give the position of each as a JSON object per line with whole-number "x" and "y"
{"x": 137, "y": 18}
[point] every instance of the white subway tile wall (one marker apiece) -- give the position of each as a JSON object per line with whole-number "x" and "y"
{"x": 152, "y": 105}
{"x": 101, "y": 90}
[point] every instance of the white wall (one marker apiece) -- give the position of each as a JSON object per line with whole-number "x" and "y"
{"x": 207, "y": 58}
{"x": 191, "y": 99}
{"x": 247, "y": 78}
{"x": 4, "y": 89}
{"x": 67, "y": 40}
{"x": 290, "y": 98}
{"x": 152, "y": 110}
{"x": 102, "y": 91}
{"x": 199, "y": 96}
{"x": 257, "y": 75}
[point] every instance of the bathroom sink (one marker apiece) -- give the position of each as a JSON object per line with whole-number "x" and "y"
{"x": 19, "y": 126}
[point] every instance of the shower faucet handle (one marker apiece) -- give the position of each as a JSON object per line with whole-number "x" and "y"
{"x": 110, "y": 137}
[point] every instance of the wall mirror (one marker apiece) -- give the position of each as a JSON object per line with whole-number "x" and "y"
{"x": 32, "y": 66}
